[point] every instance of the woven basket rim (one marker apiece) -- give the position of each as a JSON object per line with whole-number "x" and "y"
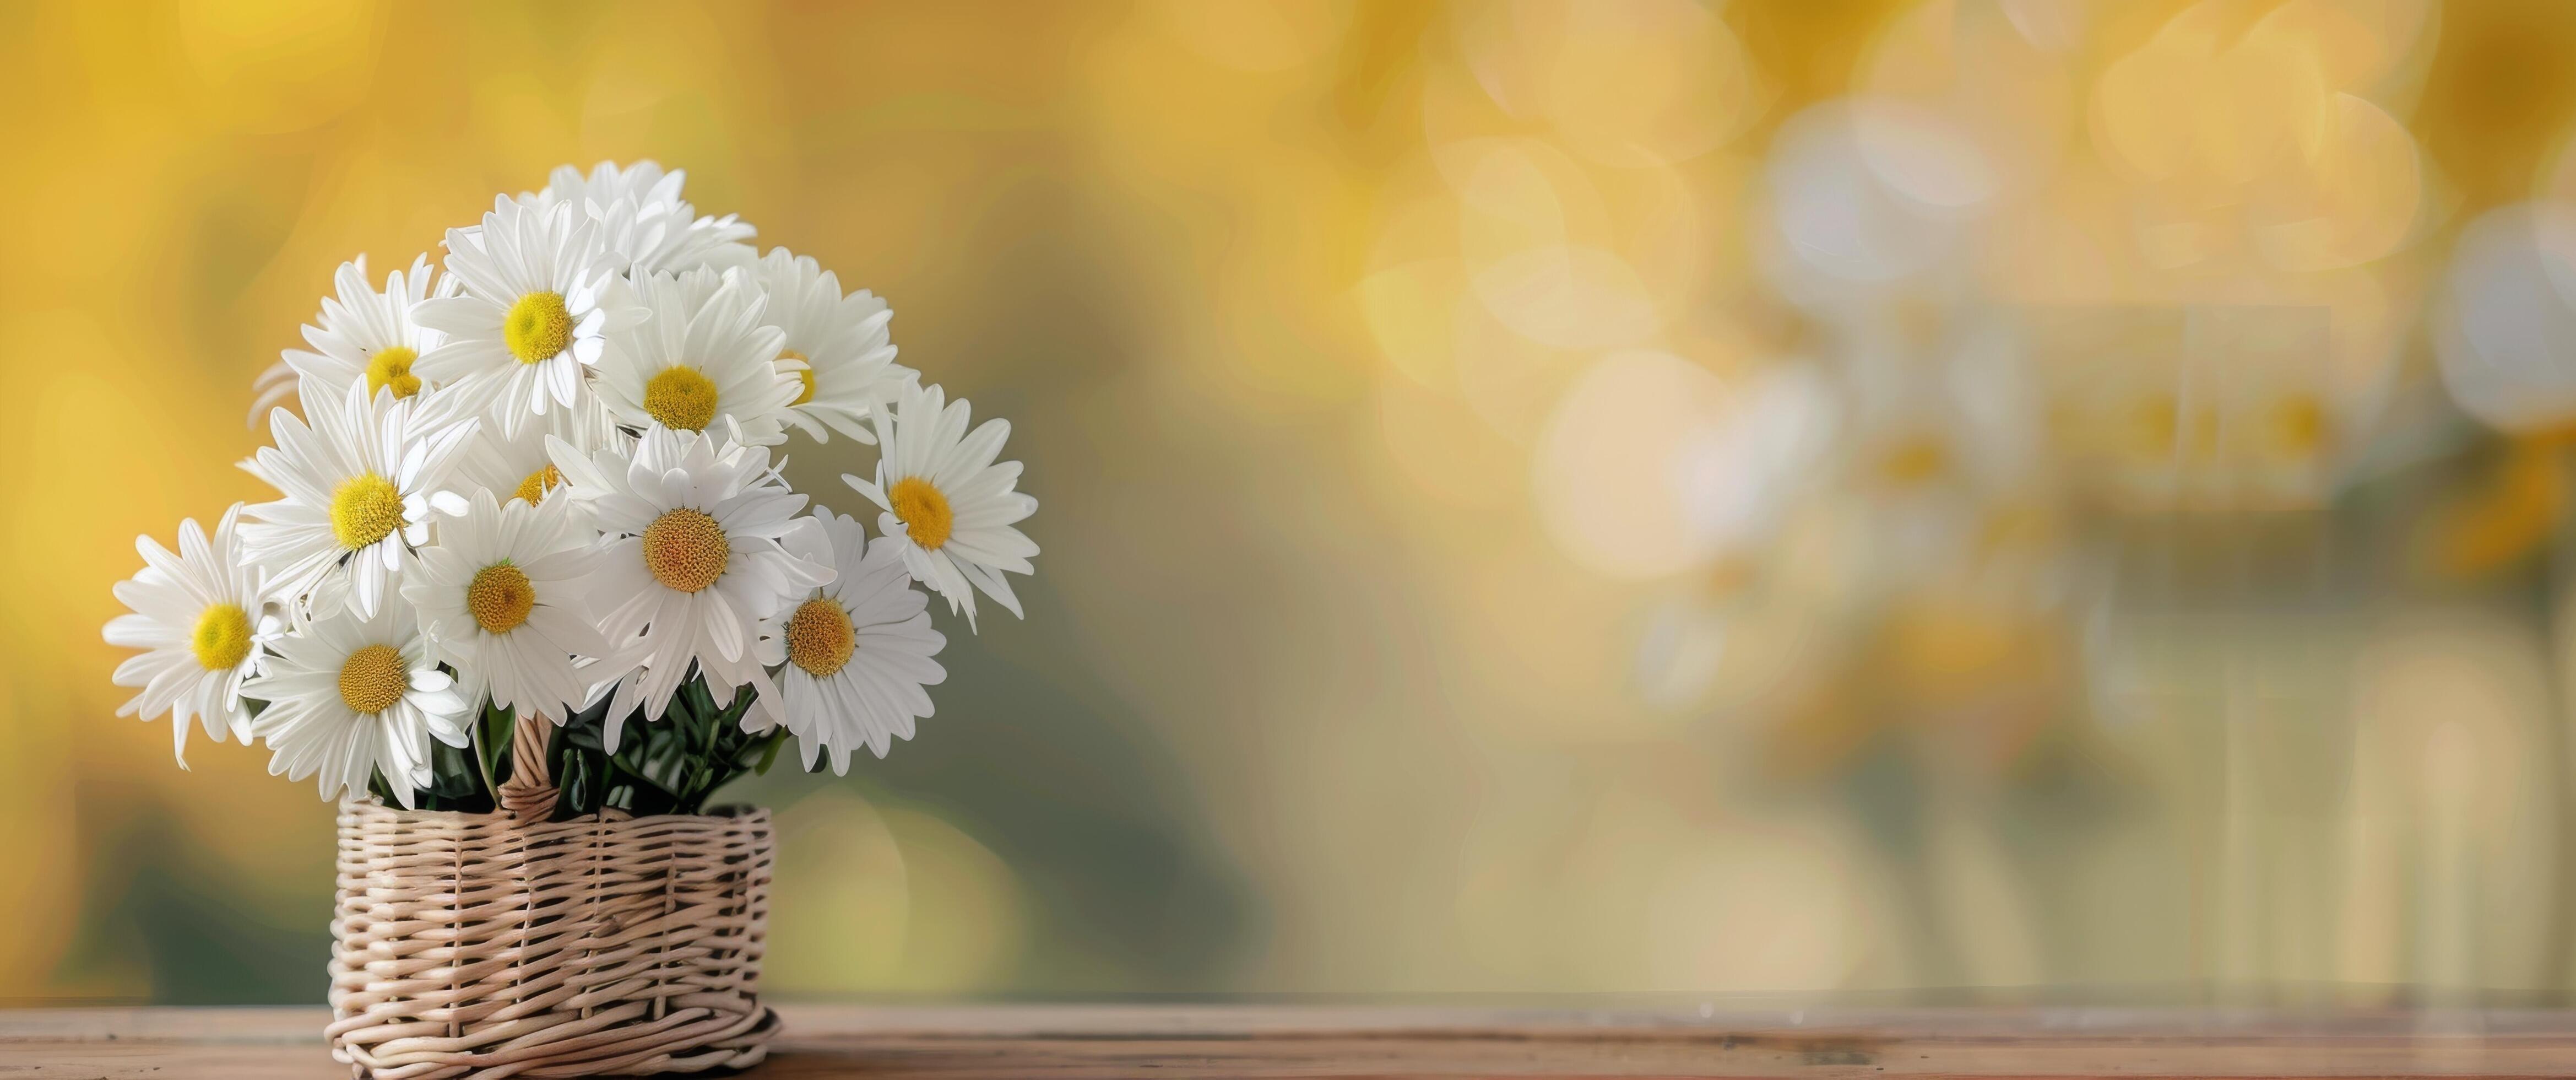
{"x": 721, "y": 812}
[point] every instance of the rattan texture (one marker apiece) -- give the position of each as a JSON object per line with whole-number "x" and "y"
{"x": 500, "y": 945}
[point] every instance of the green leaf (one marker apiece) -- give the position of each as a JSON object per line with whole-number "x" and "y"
{"x": 769, "y": 751}
{"x": 640, "y": 776}
{"x": 578, "y": 784}
{"x": 377, "y": 787}
{"x": 497, "y": 727}
{"x": 590, "y": 737}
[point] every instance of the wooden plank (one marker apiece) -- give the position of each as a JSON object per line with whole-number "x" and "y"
{"x": 960, "y": 1043}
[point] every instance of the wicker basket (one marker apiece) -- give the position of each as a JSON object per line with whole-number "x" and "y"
{"x": 493, "y": 945}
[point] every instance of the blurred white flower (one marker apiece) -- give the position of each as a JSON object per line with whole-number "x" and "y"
{"x": 2505, "y": 333}
{"x": 1871, "y": 203}
{"x": 1936, "y": 438}
{"x": 1739, "y": 473}
{"x": 2218, "y": 408}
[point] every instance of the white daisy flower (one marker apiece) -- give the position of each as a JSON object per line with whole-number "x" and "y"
{"x": 505, "y": 594}
{"x": 951, "y": 507}
{"x": 648, "y": 240}
{"x": 353, "y": 695}
{"x": 644, "y": 224}
{"x": 359, "y": 485}
{"x": 703, "y": 543}
{"x": 200, "y": 617}
{"x": 517, "y": 466}
{"x": 837, "y": 347}
{"x": 539, "y": 297}
{"x": 364, "y": 335}
{"x": 856, "y": 652}
{"x": 701, "y": 352}
{"x": 643, "y": 183}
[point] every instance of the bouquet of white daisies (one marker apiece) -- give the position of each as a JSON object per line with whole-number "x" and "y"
{"x": 539, "y": 480}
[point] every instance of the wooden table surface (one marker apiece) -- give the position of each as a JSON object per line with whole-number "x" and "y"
{"x": 962, "y": 1042}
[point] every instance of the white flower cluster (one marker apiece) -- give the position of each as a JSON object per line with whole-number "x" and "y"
{"x": 541, "y": 477}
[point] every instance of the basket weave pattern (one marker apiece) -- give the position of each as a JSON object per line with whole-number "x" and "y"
{"x": 497, "y": 945}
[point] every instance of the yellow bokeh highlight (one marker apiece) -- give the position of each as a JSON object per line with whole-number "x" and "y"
{"x": 888, "y": 899}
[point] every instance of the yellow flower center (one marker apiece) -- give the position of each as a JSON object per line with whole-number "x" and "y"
{"x": 804, "y": 374}
{"x": 2300, "y": 426}
{"x": 538, "y": 327}
{"x": 222, "y": 637}
{"x": 365, "y": 509}
{"x": 1914, "y": 462}
{"x": 391, "y": 366}
{"x": 685, "y": 549}
{"x": 682, "y": 398}
{"x": 500, "y": 598}
{"x": 373, "y": 679}
{"x": 923, "y": 509}
{"x": 2159, "y": 423}
{"x": 538, "y": 484}
{"x": 819, "y": 638}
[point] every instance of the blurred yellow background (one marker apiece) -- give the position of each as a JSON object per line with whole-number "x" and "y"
{"x": 1761, "y": 497}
